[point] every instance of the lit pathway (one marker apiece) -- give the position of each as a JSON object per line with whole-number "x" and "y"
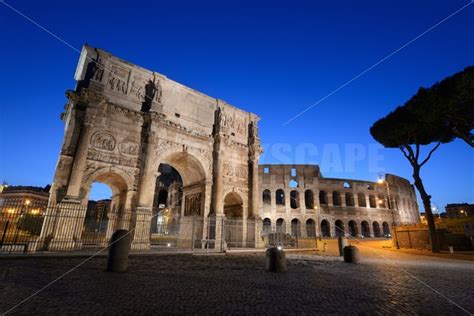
{"x": 386, "y": 282}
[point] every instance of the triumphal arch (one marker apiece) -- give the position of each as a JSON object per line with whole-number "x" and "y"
{"x": 126, "y": 126}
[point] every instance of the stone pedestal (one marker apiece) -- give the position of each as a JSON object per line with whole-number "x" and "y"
{"x": 141, "y": 233}
{"x": 68, "y": 225}
{"x": 259, "y": 240}
{"x": 219, "y": 236}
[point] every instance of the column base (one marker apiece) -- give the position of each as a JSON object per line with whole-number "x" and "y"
{"x": 219, "y": 239}
{"x": 141, "y": 234}
{"x": 58, "y": 244}
{"x": 141, "y": 244}
{"x": 259, "y": 239}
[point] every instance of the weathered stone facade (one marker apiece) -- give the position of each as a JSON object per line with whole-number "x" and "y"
{"x": 296, "y": 197}
{"x": 123, "y": 123}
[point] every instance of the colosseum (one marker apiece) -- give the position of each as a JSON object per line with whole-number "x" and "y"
{"x": 296, "y": 197}
{"x": 183, "y": 168}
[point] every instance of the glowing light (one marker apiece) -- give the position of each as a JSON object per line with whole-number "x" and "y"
{"x": 11, "y": 211}
{"x": 35, "y": 211}
{"x": 279, "y": 248}
{"x": 380, "y": 181}
{"x": 168, "y": 245}
{"x": 27, "y": 202}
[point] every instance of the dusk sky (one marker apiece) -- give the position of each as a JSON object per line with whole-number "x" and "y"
{"x": 273, "y": 58}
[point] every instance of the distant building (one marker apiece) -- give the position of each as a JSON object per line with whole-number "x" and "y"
{"x": 458, "y": 210}
{"x": 21, "y": 199}
{"x": 97, "y": 215}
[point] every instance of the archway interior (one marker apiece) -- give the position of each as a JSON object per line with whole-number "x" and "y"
{"x": 167, "y": 200}
{"x": 98, "y": 207}
{"x": 233, "y": 206}
{"x": 339, "y": 228}
{"x": 187, "y": 166}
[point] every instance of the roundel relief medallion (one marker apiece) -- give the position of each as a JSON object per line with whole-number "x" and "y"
{"x": 103, "y": 141}
{"x": 129, "y": 147}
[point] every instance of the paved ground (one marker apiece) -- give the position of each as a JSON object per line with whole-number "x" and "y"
{"x": 386, "y": 282}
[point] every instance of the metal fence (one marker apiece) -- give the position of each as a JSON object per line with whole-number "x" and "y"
{"x": 73, "y": 227}
{"x": 26, "y": 227}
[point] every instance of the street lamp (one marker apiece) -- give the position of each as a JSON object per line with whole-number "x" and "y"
{"x": 316, "y": 208}
{"x": 394, "y": 228}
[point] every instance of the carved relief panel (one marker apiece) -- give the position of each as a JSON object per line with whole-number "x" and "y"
{"x": 103, "y": 141}
{"x": 233, "y": 123}
{"x": 193, "y": 204}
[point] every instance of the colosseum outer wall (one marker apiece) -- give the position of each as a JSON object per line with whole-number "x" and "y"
{"x": 296, "y": 197}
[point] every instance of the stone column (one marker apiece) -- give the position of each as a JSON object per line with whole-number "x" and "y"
{"x": 143, "y": 212}
{"x": 207, "y": 209}
{"x": 332, "y": 229}
{"x": 287, "y": 201}
{"x": 80, "y": 159}
{"x": 367, "y": 201}
{"x": 70, "y": 214}
{"x": 217, "y": 202}
{"x": 302, "y": 201}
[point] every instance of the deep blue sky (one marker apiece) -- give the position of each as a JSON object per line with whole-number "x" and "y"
{"x": 272, "y": 58}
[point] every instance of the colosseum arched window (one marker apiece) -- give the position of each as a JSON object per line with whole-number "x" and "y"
{"x": 386, "y": 228}
{"x": 267, "y": 197}
{"x": 295, "y": 227}
{"x": 323, "y": 197}
{"x": 372, "y": 201}
{"x": 353, "y": 228}
{"x": 310, "y": 228}
{"x": 280, "y": 226}
{"x": 365, "y": 229}
{"x": 325, "y": 229}
{"x": 361, "y": 200}
{"x": 339, "y": 226}
{"x": 376, "y": 229}
{"x": 309, "y": 199}
{"x": 336, "y": 198}
{"x": 349, "y": 199}
{"x": 280, "y": 197}
{"x": 294, "y": 199}
{"x": 267, "y": 225}
{"x": 381, "y": 201}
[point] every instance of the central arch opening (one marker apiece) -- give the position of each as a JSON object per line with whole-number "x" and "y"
{"x": 166, "y": 203}
{"x": 178, "y": 202}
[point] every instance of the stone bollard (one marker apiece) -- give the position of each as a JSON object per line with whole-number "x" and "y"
{"x": 342, "y": 242}
{"x": 351, "y": 254}
{"x": 451, "y": 250}
{"x": 275, "y": 260}
{"x": 118, "y": 252}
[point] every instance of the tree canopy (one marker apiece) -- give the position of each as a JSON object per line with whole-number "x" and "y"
{"x": 436, "y": 114}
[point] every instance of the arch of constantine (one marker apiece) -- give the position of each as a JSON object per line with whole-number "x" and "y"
{"x": 174, "y": 154}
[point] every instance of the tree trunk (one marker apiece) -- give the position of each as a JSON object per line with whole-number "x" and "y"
{"x": 427, "y": 206}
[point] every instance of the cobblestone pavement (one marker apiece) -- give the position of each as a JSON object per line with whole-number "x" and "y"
{"x": 384, "y": 283}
